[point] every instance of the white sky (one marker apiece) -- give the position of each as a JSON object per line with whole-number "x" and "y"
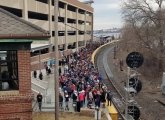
{"x": 107, "y": 14}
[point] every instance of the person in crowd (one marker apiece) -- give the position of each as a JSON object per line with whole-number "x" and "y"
{"x": 103, "y": 97}
{"x": 39, "y": 100}
{"x": 81, "y": 75}
{"x": 46, "y": 69}
{"x": 90, "y": 99}
{"x": 74, "y": 97}
{"x": 49, "y": 70}
{"x": 40, "y": 76}
{"x": 109, "y": 97}
{"x": 81, "y": 98}
{"x": 66, "y": 100}
{"x": 59, "y": 71}
{"x": 60, "y": 101}
{"x": 98, "y": 99}
{"x": 66, "y": 68}
{"x": 35, "y": 74}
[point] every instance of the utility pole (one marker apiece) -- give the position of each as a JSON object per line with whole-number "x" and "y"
{"x": 114, "y": 57}
{"x": 126, "y": 93}
{"x": 56, "y": 75}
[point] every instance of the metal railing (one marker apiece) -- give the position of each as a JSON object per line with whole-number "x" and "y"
{"x": 39, "y": 89}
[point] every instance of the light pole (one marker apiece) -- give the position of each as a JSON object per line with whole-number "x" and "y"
{"x": 56, "y": 76}
{"x": 40, "y": 60}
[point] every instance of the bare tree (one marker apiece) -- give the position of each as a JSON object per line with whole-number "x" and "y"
{"x": 147, "y": 20}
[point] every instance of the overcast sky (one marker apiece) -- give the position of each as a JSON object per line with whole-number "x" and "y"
{"x": 107, "y": 14}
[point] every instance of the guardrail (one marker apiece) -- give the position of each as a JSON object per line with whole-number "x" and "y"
{"x": 42, "y": 83}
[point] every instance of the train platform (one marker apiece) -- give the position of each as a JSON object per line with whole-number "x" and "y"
{"x": 105, "y": 72}
{"x": 48, "y": 103}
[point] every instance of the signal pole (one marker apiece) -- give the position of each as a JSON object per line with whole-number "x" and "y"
{"x": 126, "y": 93}
{"x": 56, "y": 75}
{"x": 133, "y": 60}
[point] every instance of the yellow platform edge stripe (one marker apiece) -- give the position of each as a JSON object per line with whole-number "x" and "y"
{"x": 99, "y": 48}
{"x": 111, "y": 109}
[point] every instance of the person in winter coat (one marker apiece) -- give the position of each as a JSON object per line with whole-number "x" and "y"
{"x": 81, "y": 98}
{"x": 40, "y": 76}
{"x": 103, "y": 98}
{"x": 35, "y": 74}
{"x": 60, "y": 101}
{"x": 74, "y": 97}
{"x": 39, "y": 100}
{"x": 109, "y": 98}
{"x": 66, "y": 101}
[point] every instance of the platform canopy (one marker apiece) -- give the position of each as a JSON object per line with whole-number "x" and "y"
{"x": 36, "y": 47}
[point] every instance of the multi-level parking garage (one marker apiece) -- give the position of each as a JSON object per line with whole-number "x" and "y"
{"x": 75, "y": 25}
{"x": 75, "y": 20}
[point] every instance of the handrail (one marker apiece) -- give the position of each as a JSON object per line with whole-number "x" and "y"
{"x": 40, "y": 83}
{"x": 34, "y": 106}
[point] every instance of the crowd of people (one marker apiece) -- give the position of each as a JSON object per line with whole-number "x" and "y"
{"x": 81, "y": 81}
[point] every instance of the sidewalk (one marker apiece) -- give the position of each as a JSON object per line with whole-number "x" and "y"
{"x": 49, "y": 101}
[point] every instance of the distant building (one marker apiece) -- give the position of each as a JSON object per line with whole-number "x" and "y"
{"x": 16, "y": 36}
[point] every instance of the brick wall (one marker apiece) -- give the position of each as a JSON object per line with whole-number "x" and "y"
{"x": 19, "y": 106}
{"x": 24, "y": 71}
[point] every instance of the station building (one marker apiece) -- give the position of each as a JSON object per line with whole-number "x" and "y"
{"x": 16, "y": 36}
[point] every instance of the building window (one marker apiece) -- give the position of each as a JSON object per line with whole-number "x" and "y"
{"x": 8, "y": 70}
{"x": 71, "y": 32}
{"x": 38, "y": 16}
{"x": 43, "y": 1}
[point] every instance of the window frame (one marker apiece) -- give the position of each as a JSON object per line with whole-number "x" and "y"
{"x": 11, "y": 72}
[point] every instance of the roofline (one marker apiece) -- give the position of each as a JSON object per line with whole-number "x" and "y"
{"x": 79, "y": 4}
{"x": 24, "y": 21}
{"x": 24, "y": 36}
{"x": 40, "y": 47}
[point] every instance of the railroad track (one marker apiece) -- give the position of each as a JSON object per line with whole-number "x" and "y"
{"x": 118, "y": 99}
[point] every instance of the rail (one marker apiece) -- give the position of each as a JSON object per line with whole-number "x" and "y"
{"x": 42, "y": 83}
{"x": 112, "y": 109}
{"x": 119, "y": 99}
